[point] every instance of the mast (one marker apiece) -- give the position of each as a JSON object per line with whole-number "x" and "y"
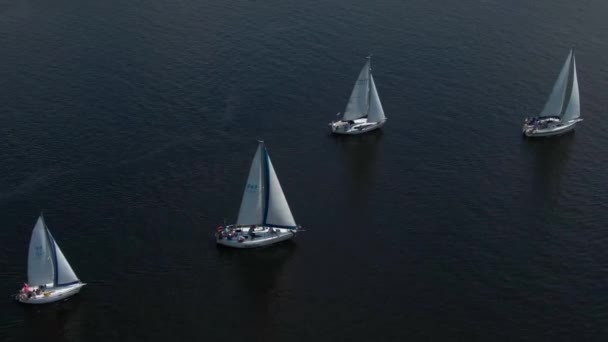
{"x": 53, "y": 253}
{"x": 265, "y": 170}
{"x": 369, "y": 76}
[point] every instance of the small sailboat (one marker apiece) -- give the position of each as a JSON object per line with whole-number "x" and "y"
{"x": 556, "y": 118}
{"x": 49, "y": 275}
{"x": 264, "y": 217}
{"x": 363, "y": 111}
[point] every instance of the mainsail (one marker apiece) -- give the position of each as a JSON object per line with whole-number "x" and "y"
{"x": 46, "y": 264}
{"x": 252, "y": 204}
{"x": 376, "y": 113}
{"x": 358, "y": 103}
{"x": 573, "y": 110}
{"x": 40, "y": 268}
{"x": 555, "y": 102}
{"x": 264, "y": 202}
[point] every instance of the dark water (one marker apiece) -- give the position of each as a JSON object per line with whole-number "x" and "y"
{"x": 132, "y": 125}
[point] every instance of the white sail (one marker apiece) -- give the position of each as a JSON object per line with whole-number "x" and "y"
{"x": 64, "y": 273}
{"x": 278, "y": 213}
{"x": 555, "y": 102}
{"x": 376, "y": 113}
{"x": 573, "y": 111}
{"x": 358, "y": 103}
{"x": 40, "y": 269}
{"x": 252, "y": 204}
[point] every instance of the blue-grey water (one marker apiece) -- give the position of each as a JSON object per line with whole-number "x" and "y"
{"x": 132, "y": 124}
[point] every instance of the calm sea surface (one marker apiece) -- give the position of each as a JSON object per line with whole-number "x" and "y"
{"x": 132, "y": 125}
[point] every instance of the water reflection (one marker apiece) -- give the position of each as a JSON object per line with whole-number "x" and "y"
{"x": 360, "y": 154}
{"x": 60, "y": 321}
{"x": 257, "y": 275}
{"x": 550, "y": 156}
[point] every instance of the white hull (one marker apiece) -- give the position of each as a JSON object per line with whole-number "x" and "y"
{"x": 358, "y": 126}
{"x": 530, "y": 131}
{"x": 263, "y": 237}
{"x": 51, "y": 294}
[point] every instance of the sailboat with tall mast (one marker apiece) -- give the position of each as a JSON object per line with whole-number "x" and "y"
{"x": 364, "y": 110}
{"x": 264, "y": 217}
{"x": 556, "y": 118}
{"x": 49, "y": 274}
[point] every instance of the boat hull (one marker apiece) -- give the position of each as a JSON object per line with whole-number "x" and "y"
{"x": 358, "y": 127}
{"x": 261, "y": 240}
{"x": 531, "y": 132}
{"x": 51, "y": 295}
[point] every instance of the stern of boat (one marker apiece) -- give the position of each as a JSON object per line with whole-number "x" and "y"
{"x": 339, "y": 127}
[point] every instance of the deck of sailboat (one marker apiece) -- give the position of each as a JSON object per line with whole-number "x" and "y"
{"x": 51, "y": 294}
{"x": 559, "y": 129}
{"x": 262, "y": 236}
{"x": 356, "y": 127}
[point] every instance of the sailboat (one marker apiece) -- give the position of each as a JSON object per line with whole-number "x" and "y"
{"x": 49, "y": 275}
{"x": 556, "y": 118}
{"x": 363, "y": 111}
{"x": 264, "y": 217}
